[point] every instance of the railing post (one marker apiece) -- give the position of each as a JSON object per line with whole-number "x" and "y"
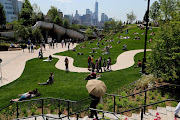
{"x": 42, "y": 106}
{"x": 68, "y": 109}
{"x": 141, "y": 113}
{"x": 114, "y": 103}
{"x": 35, "y": 118}
{"x": 59, "y": 109}
{"x": 17, "y": 110}
{"x": 145, "y": 96}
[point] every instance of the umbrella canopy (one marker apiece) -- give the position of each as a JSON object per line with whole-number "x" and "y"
{"x": 96, "y": 87}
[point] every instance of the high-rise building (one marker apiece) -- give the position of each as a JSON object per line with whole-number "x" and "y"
{"x": 104, "y": 18}
{"x": 76, "y": 15}
{"x": 96, "y": 12}
{"x": 11, "y": 8}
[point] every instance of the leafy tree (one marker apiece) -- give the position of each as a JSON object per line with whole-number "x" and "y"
{"x": 21, "y": 32}
{"x": 26, "y": 12}
{"x": 2, "y": 15}
{"x": 119, "y": 25}
{"x": 167, "y": 8}
{"x": 37, "y": 15}
{"x": 66, "y": 23}
{"x": 37, "y": 35}
{"x": 52, "y": 13}
{"x": 155, "y": 11}
{"x": 89, "y": 32}
{"x": 164, "y": 60}
{"x": 131, "y": 17}
{"x": 106, "y": 25}
{"x": 58, "y": 21}
{"x": 75, "y": 27}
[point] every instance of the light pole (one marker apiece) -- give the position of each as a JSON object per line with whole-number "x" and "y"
{"x": 147, "y": 20}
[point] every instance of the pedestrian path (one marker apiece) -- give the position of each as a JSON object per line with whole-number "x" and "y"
{"x": 13, "y": 62}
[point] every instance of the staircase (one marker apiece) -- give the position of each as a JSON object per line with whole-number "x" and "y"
{"x": 166, "y": 113}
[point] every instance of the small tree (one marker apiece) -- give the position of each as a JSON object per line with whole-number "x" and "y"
{"x": 164, "y": 60}
{"x": 2, "y": 15}
{"x": 26, "y": 12}
{"x": 131, "y": 17}
{"x": 58, "y": 21}
{"x": 52, "y": 13}
{"x": 155, "y": 11}
{"x": 66, "y": 23}
{"x": 37, "y": 35}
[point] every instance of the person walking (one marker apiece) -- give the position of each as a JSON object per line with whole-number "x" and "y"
{"x": 62, "y": 42}
{"x": 94, "y": 102}
{"x": 32, "y": 48}
{"x": 29, "y": 48}
{"x": 177, "y": 111}
{"x": 97, "y": 66}
{"x": 68, "y": 45}
{"x": 89, "y": 62}
{"x": 66, "y": 63}
{"x": 104, "y": 64}
{"x": 100, "y": 60}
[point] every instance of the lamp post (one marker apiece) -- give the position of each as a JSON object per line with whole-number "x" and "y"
{"x": 147, "y": 20}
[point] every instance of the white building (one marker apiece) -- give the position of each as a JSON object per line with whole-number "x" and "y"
{"x": 12, "y": 9}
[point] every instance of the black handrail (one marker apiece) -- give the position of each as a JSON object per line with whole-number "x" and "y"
{"x": 141, "y": 107}
{"x": 144, "y": 91}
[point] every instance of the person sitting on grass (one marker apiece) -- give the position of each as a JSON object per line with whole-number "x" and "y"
{"x": 124, "y": 47}
{"x": 139, "y": 64}
{"x": 49, "y": 81}
{"x": 91, "y": 76}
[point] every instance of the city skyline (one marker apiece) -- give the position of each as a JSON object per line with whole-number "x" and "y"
{"x": 114, "y": 9}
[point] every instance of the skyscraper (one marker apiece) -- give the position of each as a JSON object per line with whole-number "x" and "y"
{"x": 96, "y": 12}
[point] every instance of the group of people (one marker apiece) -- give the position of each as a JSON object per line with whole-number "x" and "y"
{"x": 99, "y": 63}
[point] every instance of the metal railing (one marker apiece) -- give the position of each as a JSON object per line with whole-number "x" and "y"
{"x": 114, "y": 97}
{"x": 43, "y": 106}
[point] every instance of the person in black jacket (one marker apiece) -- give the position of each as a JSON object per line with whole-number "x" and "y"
{"x": 94, "y": 102}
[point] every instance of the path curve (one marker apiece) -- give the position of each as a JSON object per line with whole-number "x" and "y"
{"x": 124, "y": 60}
{"x": 14, "y": 62}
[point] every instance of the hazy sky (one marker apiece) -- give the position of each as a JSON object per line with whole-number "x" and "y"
{"x": 113, "y": 8}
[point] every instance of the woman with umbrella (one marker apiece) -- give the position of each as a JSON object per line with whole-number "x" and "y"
{"x": 96, "y": 89}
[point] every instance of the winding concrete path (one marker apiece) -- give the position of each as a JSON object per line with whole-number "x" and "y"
{"x": 13, "y": 63}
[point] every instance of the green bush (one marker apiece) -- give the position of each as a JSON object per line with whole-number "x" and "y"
{"x": 119, "y": 104}
{"x": 159, "y": 98}
{"x": 138, "y": 98}
{"x": 163, "y": 104}
{"x": 110, "y": 106}
{"x": 24, "y": 110}
{"x": 52, "y": 108}
{"x": 152, "y": 97}
{"x": 33, "y": 111}
{"x": 100, "y": 106}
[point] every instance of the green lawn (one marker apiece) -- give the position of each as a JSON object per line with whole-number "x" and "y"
{"x": 81, "y": 61}
{"x": 71, "y": 85}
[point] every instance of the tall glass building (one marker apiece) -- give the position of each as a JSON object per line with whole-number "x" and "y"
{"x": 96, "y": 12}
{"x": 12, "y": 9}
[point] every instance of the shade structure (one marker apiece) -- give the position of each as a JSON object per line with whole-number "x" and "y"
{"x": 96, "y": 87}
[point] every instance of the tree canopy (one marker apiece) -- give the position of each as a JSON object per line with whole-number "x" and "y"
{"x": 155, "y": 11}
{"x": 131, "y": 17}
{"x": 2, "y": 15}
{"x": 58, "y": 21}
{"x": 52, "y": 13}
{"x": 26, "y": 12}
{"x": 164, "y": 60}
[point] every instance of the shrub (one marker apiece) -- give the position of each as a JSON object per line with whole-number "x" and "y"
{"x": 100, "y": 106}
{"x": 24, "y": 110}
{"x": 163, "y": 104}
{"x": 119, "y": 104}
{"x": 138, "y": 98}
{"x": 152, "y": 97}
{"x": 159, "y": 98}
{"x": 174, "y": 104}
{"x": 52, "y": 108}
{"x": 33, "y": 111}
{"x": 110, "y": 106}
{"x": 145, "y": 81}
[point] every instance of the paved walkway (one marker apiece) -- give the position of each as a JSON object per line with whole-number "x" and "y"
{"x": 13, "y": 63}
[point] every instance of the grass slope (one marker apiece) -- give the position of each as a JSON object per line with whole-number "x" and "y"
{"x": 71, "y": 85}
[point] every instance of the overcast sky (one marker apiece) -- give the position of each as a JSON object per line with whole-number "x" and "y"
{"x": 113, "y": 8}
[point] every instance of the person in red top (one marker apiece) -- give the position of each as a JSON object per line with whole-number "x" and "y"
{"x": 139, "y": 63}
{"x": 89, "y": 62}
{"x": 91, "y": 76}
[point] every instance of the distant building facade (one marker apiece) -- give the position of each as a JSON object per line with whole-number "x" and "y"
{"x": 12, "y": 9}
